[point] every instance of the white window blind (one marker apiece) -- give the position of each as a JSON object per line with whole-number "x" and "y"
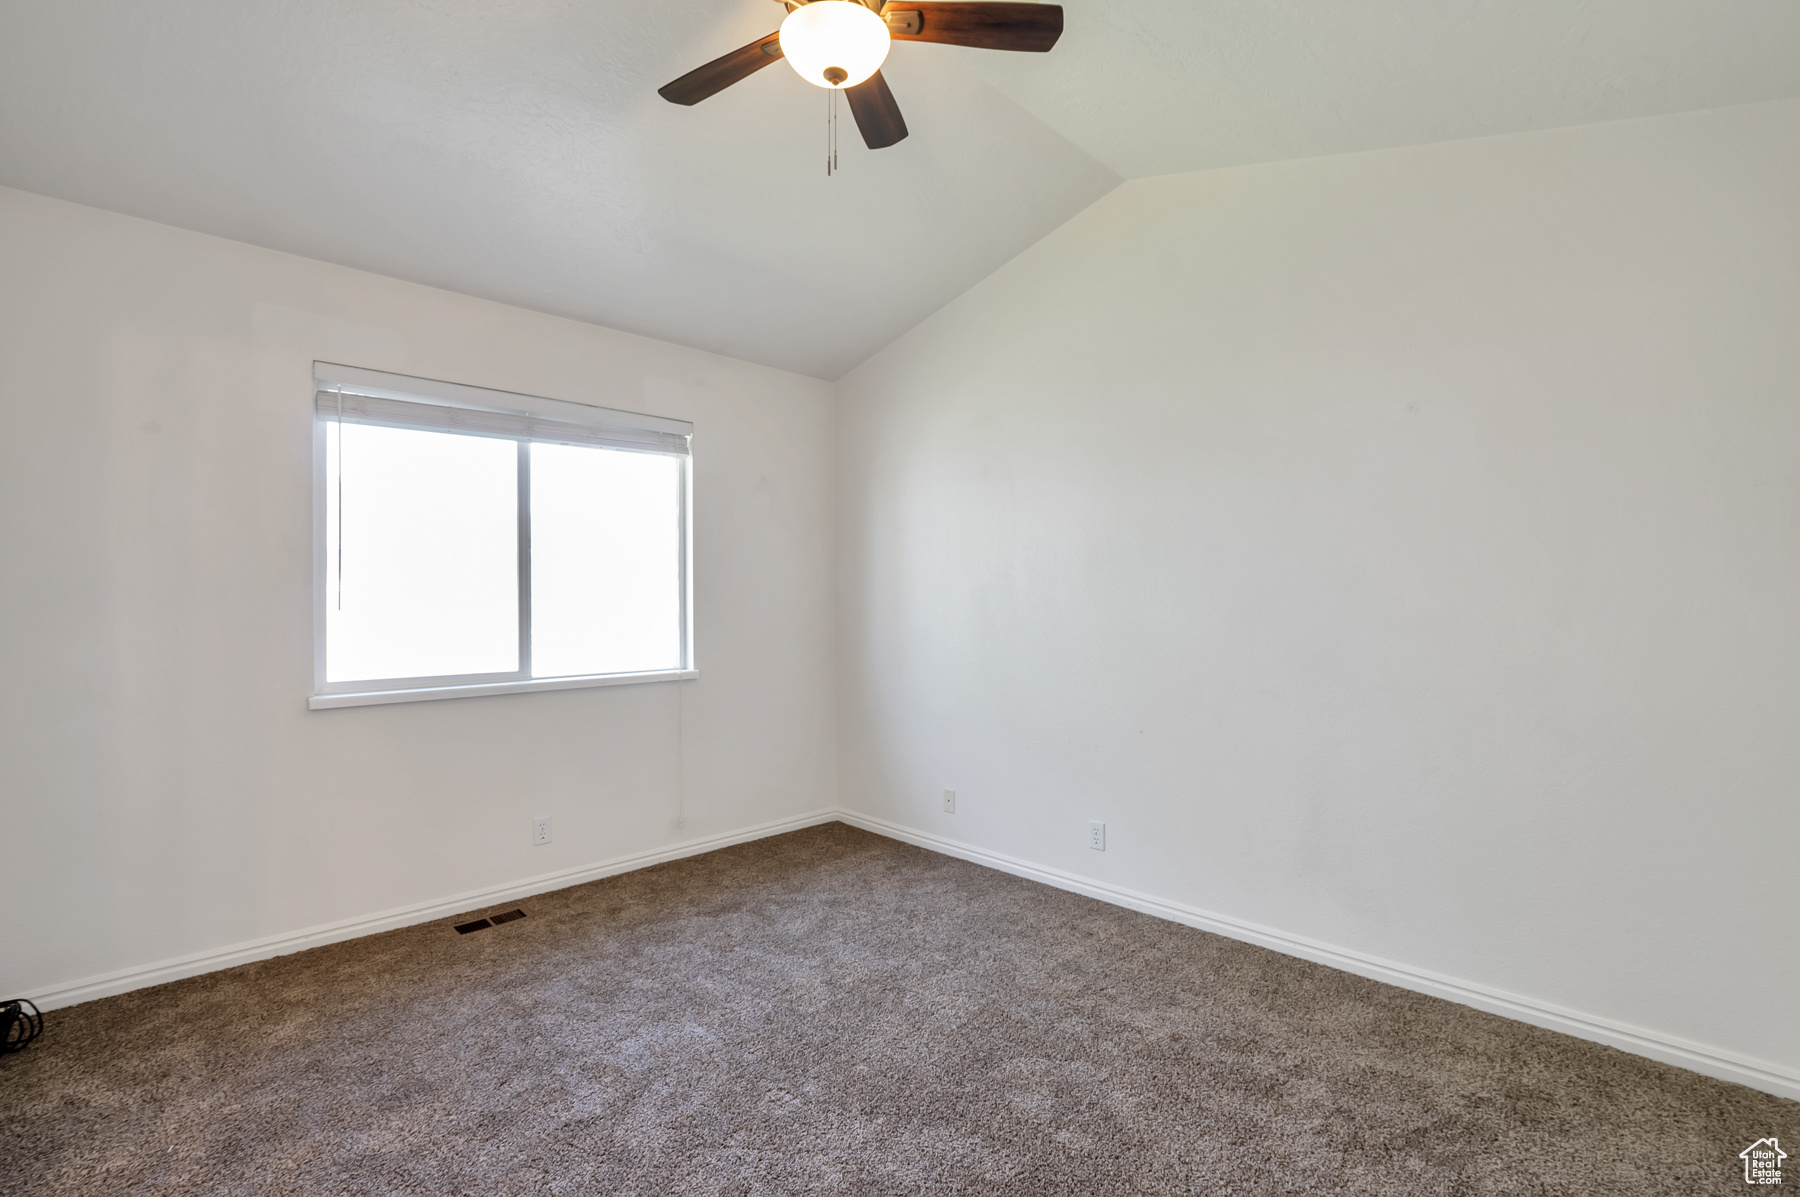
{"x": 356, "y": 408}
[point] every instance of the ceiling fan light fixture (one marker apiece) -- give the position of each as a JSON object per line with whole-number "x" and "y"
{"x": 834, "y": 43}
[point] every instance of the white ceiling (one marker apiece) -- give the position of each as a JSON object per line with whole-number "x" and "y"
{"x": 1153, "y": 87}
{"x": 516, "y": 149}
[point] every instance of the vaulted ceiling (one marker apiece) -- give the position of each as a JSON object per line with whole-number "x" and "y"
{"x": 517, "y": 149}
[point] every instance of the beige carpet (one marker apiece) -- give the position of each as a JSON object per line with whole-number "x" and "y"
{"x": 832, "y": 1012}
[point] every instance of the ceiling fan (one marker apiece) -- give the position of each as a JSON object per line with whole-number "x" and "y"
{"x": 841, "y": 44}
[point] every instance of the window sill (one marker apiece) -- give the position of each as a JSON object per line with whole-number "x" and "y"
{"x": 366, "y": 698}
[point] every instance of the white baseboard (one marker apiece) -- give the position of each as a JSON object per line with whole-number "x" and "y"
{"x": 1728, "y": 1066}
{"x": 126, "y": 979}
{"x": 1668, "y": 1049}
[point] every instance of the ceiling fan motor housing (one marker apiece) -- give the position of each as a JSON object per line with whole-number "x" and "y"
{"x": 902, "y": 21}
{"x": 874, "y": 6}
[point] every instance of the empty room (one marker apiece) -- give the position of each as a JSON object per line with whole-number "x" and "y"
{"x": 849, "y": 597}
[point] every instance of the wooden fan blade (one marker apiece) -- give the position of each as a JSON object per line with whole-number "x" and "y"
{"x": 984, "y": 24}
{"x": 877, "y": 116}
{"x": 721, "y": 73}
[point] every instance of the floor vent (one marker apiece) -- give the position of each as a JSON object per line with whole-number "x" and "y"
{"x": 508, "y": 917}
{"x": 478, "y": 924}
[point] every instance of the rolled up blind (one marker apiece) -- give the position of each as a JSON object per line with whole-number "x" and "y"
{"x": 512, "y": 425}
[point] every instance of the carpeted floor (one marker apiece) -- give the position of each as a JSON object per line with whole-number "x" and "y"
{"x": 832, "y": 1012}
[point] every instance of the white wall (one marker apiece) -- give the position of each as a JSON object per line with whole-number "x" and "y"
{"x": 163, "y": 789}
{"x": 1399, "y": 550}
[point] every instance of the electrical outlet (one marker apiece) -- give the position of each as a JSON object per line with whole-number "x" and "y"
{"x": 949, "y": 802}
{"x": 1097, "y": 836}
{"x": 540, "y": 831}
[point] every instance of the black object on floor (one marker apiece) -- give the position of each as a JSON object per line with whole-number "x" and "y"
{"x": 20, "y": 1023}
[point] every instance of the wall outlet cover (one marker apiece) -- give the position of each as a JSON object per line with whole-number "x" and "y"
{"x": 949, "y": 802}
{"x": 1097, "y": 836}
{"x": 540, "y": 831}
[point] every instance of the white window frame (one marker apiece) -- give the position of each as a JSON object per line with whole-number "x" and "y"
{"x": 352, "y": 380}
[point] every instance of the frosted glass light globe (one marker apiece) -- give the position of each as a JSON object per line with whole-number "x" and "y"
{"x": 834, "y": 43}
